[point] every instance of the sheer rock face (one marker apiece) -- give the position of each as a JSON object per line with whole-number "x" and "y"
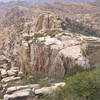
{"x": 54, "y": 56}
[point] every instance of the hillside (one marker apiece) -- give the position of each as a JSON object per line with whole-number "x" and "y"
{"x": 84, "y": 13}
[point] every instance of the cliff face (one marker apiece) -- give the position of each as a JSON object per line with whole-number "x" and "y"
{"x": 56, "y": 55}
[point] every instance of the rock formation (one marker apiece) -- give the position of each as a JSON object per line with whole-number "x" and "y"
{"x": 55, "y": 55}
{"x": 30, "y": 92}
{"x": 47, "y": 21}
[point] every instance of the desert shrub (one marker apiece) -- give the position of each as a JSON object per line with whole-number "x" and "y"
{"x": 52, "y": 33}
{"x": 37, "y": 35}
{"x": 82, "y": 86}
{"x": 1, "y": 95}
{"x": 2, "y": 92}
{"x": 64, "y": 25}
{"x": 3, "y": 61}
{"x": 27, "y": 38}
{"x": 78, "y": 27}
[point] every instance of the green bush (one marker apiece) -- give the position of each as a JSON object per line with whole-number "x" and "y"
{"x": 1, "y": 95}
{"x": 52, "y": 33}
{"x": 37, "y": 35}
{"x": 27, "y": 38}
{"x": 82, "y": 86}
{"x": 78, "y": 27}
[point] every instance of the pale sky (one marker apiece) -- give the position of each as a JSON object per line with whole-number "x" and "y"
{"x": 49, "y": 0}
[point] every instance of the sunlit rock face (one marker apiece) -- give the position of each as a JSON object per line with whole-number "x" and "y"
{"x": 56, "y": 55}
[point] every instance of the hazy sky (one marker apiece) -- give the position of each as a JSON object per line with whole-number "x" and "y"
{"x": 49, "y": 0}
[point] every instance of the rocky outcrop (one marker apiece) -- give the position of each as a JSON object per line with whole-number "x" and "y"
{"x": 56, "y": 55}
{"x": 47, "y": 21}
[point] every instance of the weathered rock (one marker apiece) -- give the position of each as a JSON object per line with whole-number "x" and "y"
{"x": 53, "y": 55}
{"x": 19, "y": 95}
{"x": 48, "y": 90}
{"x": 17, "y": 88}
{"x": 30, "y": 92}
{"x": 11, "y": 73}
{"x": 10, "y": 79}
{"x": 44, "y": 91}
{"x": 4, "y": 73}
{"x": 20, "y": 74}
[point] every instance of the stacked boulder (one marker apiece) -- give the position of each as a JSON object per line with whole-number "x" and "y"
{"x": 30, "y": 92}
{"x": 8, "y": 74}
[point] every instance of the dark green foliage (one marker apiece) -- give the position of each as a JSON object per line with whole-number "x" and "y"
{"x": 52, "y": 33}
{"x": 37, "y": 35}
{"x": 78, "y": 27}
{"x": 83, "y": 86}
{"x": 64, "y": 25}
{"x": 3, "y": 61}
{"x": 27, "y": 38}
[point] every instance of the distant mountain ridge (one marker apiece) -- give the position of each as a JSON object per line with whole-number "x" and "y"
{"x": 40, "y": 1}
{"x": 11, "y": 3}
{"x": 83, "y": 12}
